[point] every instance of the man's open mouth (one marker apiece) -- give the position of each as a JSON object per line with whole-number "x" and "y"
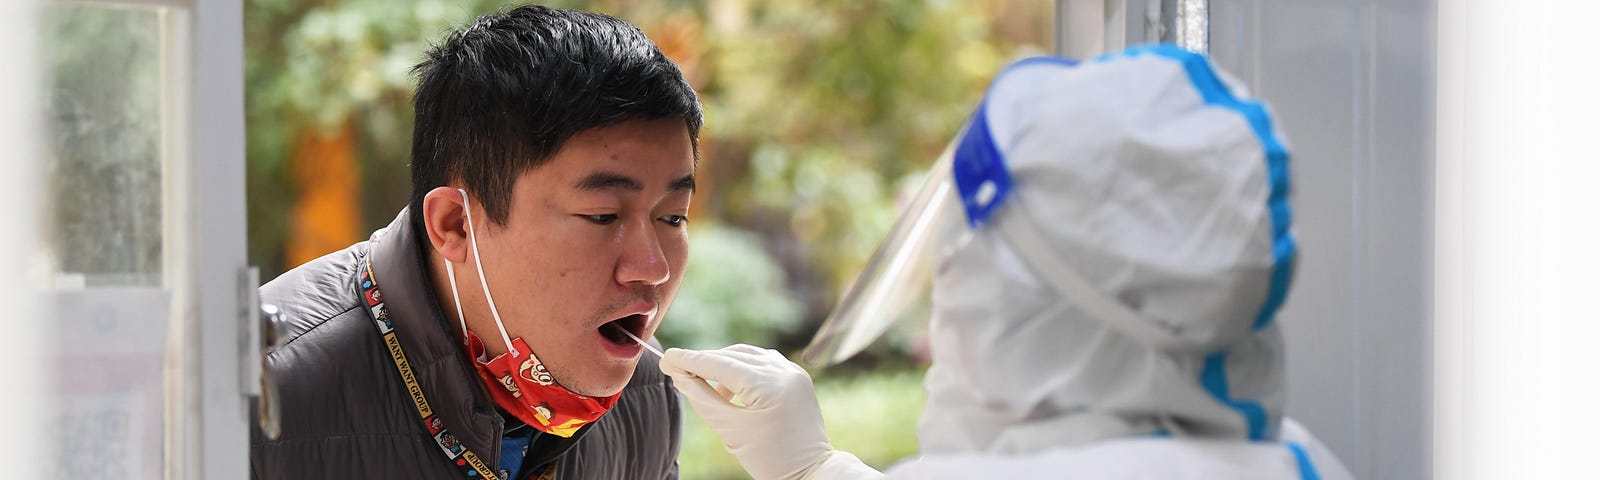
{"x": 633, "y": 324}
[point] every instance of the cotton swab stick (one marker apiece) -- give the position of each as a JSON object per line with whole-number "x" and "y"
{"x": 636, "y": 339}
{"x": 713, "y": 384}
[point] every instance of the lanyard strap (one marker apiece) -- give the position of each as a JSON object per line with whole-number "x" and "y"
{"x": 471, "y": 466}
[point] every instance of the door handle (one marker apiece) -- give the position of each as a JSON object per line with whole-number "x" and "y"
{"x": 274, "y": 333}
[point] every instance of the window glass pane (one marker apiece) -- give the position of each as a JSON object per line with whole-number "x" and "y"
{"x": 103, "y": 181}
{"x": 104, "y": 127}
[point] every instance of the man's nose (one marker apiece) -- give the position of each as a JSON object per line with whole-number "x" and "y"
{"x": 642, "y": 260}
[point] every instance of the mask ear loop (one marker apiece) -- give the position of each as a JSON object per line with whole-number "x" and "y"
{"x": 477, "y": 260}
{"x": 450, "y": 270}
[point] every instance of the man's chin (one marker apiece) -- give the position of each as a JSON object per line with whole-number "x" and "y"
{"x": 605, "y": 387}
{"x": 606, "y": 391}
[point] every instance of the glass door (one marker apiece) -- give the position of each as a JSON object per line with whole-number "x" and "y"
{"x": 141, "y": 258}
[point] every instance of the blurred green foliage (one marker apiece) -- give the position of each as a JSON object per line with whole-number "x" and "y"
{"x": 733, "y": 293}
{"x": 316, "y": 65}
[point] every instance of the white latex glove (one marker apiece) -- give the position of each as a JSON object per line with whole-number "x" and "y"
{"x": 775, "y": 429}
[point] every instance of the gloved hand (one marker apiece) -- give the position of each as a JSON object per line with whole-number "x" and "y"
{"x": 764, "y": 409}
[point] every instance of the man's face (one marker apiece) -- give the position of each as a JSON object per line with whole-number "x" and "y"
{"x": 595, "y": 239}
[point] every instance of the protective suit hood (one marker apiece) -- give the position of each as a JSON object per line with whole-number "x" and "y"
{"x": 1123, "y": 277}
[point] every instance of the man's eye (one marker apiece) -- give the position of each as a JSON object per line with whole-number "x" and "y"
{"x": 675, "y": 220}
{"x": 602, "y": 219}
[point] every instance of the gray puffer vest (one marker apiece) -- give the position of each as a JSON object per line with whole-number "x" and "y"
{"x": 347, "y": 412}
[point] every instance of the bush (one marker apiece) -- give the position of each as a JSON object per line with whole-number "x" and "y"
{"x": 733, "y": 292}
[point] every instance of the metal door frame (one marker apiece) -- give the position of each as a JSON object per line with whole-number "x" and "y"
{"x": 204, "y": 239}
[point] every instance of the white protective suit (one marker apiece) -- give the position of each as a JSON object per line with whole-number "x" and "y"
{"x": 1110, "y": 314}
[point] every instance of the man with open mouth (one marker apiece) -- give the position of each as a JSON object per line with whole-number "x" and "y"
{"x": 482, "y": 334}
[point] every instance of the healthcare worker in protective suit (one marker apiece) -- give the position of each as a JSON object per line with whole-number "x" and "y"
{"x": 1109, "y": 244}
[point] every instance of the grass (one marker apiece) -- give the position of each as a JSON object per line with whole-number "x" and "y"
{"x": 872, "y": 415}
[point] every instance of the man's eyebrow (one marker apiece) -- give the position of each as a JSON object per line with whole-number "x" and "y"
{"x": 608, "y": 181}
{"x": 685, "y": 183}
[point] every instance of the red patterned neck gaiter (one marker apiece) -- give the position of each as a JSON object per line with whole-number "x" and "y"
{"x": 521, "y": 385}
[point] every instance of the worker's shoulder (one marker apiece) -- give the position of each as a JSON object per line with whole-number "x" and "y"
{"x": 1131, "y": 458}
{"x": 312, "y": 294}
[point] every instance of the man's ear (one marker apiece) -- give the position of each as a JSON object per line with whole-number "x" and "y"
{"x": 444, "y": 216}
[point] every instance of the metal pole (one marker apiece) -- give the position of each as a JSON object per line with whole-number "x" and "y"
{"x": 1191, "y": 25}
{"x": 1185, "y": 23}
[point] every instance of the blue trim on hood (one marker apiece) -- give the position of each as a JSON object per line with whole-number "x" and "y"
{"x": 1308, "y": 471}
{"x": 980, "y": 171}
{"x": 1213, "y": 376}
{"x": 978, "y": 168}
{"x": 1214, "y": 92}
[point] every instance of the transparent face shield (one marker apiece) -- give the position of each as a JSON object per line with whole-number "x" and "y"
{"x": 897, "y": 278}
{"x": 966, "y": 186}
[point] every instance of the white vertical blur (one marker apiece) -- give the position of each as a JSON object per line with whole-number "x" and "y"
{"x": 1517, "y": 237}
{"x": 1448, "y": 265}
{"x": 20, "y": 346}
{"x": 1192, "y": 25}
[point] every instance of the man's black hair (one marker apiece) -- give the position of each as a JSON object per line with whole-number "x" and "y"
{"x": 502, "y": 95}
